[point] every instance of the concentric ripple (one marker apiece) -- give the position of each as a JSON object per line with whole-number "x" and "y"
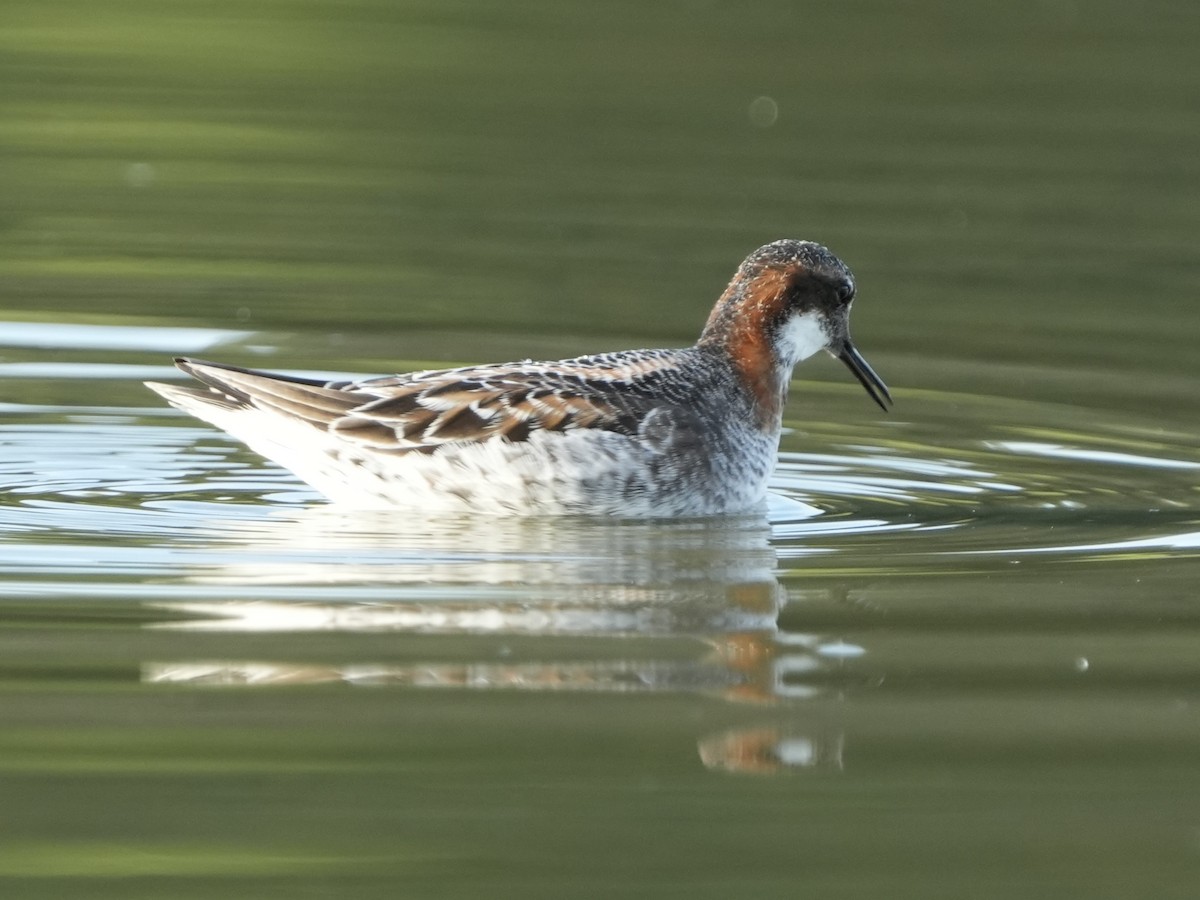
{"x": 998, "y": 477}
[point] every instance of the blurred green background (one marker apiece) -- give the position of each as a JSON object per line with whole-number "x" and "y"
{"x": 1011, "y": 182}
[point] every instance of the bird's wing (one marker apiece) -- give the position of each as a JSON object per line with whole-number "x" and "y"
{"x": 421, "y": 411}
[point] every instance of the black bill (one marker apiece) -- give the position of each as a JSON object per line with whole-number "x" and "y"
{"x": 865, "y": 375}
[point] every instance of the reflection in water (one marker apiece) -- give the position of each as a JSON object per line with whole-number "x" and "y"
{"x": 710, "y": 581}
{"x": 217, "y": 543}
{"x": 769, "y": 751}
{"x": 626, "y": 561}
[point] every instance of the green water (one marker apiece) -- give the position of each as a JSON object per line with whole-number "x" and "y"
{"x": 976, "y": 673}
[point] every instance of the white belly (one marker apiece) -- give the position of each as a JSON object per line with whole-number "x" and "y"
{"x": 583, "y": 472}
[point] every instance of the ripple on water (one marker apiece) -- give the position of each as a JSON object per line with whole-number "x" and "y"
{"x": 975, "y": 483}
{"x": 870, "y": 553}
{"x": 997, "y": 478}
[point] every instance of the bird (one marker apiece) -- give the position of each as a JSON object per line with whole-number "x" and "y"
{"x": 672, "y": 433}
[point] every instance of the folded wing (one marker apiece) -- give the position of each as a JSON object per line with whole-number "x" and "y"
{"x": 419, "y": 412}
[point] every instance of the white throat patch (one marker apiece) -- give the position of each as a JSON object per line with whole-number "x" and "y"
{"x": 801, "y": 337}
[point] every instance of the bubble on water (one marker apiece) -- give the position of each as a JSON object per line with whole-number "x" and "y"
{"x": 763, "y": 112}
{"x": 139, "y": 174}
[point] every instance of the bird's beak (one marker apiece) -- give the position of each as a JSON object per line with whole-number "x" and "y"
{"x": 865, "y": 374}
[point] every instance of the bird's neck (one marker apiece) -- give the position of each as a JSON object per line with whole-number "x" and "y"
{"x": 750, "y": 327}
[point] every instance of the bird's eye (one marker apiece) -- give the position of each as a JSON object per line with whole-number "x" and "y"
{"x": 845, "y": 293}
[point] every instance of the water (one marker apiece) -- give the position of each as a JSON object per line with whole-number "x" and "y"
{"x": 957, "y": 657}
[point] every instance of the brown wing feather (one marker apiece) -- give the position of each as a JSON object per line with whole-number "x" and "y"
{"x": 421, "y": 411}
{"x": 505, "y": 402}
{"x": 295, "y": 397}
{"x": 417, "y": 415}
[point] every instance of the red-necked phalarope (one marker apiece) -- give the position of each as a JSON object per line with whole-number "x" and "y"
{"x": 687, "y": 432}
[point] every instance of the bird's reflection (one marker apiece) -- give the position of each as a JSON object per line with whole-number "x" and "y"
{"x": 709, "y": 582}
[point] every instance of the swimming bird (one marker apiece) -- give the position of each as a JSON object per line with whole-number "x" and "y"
{"x": 682, "y": 432}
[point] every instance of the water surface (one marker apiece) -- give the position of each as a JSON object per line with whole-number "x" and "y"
{"x": 957, "y": 656}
